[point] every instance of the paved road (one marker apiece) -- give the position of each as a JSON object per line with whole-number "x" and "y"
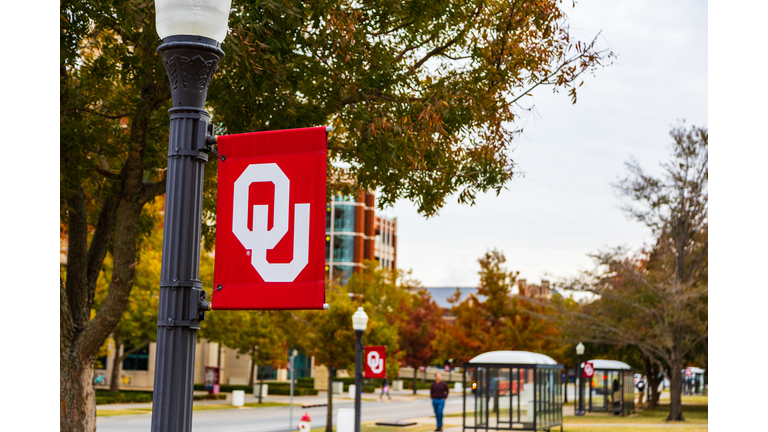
{"x": 275, "y": 419}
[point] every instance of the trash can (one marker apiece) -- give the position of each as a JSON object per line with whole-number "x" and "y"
{"x": 238, "y": 398}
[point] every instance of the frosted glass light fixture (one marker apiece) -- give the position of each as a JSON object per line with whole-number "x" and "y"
{"x": 207, "y": 18}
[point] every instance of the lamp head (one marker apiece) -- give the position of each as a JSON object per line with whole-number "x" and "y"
{"x": 360, "y": 320}
{"x": 580, "y": 348}
{"x": 207, "y": 18}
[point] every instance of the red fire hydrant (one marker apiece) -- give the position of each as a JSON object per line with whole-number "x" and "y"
{"x": 304, "y": 425}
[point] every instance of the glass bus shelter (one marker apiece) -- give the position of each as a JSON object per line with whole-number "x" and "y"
{"x": 612, "y": 388}
{"x": 512, "y": 390}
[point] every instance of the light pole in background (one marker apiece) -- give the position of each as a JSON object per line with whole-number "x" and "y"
{"x": 191, "y": 32}
{"x": 580, "y": 376}
{"x": 359, "y": 323}
{"x": 294, "y": 353}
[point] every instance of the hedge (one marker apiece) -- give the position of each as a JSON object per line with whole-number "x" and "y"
{"x": 104, "y": 397}
{"x": 209, "y": 397}
{"x": 272, "y": 389}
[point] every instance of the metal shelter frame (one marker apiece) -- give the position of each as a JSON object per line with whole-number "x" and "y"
{"x": 513, "y": 396}
{"x": 606, "y": 371}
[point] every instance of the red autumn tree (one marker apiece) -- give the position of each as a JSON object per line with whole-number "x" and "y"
{"x": 420, "y": 319}
{"x": 494, "y": 319}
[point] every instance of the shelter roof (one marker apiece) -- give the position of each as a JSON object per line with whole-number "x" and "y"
{"x": 609, "y": 364}
{"x": 513, "y": 357}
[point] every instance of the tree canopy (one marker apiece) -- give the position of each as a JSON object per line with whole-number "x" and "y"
{"x": 656, "y": 300}
{"x": 499, "y": 320}
{"x": 423, "y": 96}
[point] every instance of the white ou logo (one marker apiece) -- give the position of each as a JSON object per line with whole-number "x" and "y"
{"x": 375, "y": 362}
{"x": 588, "y": 370}
{"x": 260, "y": 238}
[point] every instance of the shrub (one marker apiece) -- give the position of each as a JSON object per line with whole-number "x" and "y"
{"x": 209, "y": 397}
{"x": 104, "y": 397}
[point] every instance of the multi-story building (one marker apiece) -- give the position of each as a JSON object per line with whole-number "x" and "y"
{"x": 354, "y": 233}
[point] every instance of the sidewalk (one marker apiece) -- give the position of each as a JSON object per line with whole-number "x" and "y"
{"x": 320, "y": 399}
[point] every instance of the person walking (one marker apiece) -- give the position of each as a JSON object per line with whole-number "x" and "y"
{"x": 385, "y": 389}
{"x": 438, "y": 392}
{"x": 641, "y": 391}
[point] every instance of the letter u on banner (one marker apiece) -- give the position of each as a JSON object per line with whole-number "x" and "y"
{"x": 270, "y": 221}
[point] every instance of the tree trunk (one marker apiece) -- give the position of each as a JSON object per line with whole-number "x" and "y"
{"x": 78, "y": 398}
{"x": 675, "y": 391}
{"x": 114, "y": 384}
{"x": 253, "y": 366}
{"x": 654, "y": 376}
{"x": 329, "y": 417}
{"x": 414, "y": 379}
{"x": 261, "y": 382}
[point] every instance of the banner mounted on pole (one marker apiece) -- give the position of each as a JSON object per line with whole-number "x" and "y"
{"x": 270, "y": 221}
{"x": 375, "y": 357}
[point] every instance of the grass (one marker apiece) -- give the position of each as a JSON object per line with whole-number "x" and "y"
{"x": 265, "y": 404}
{"x": 698, "y": 399}
{"x": 196, "y": 407}
{"x": 694, "y": 414}
{"x": 574, "y": 428}
{"x": 116, "y": 412}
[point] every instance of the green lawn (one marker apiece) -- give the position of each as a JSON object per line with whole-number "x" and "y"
{"x": 265, "y": 404}
{"x": 574, "y": 428}
{"x": 694, "y": 414}
{"x": 114, "y": 412}
{"x": 197, "y": 407}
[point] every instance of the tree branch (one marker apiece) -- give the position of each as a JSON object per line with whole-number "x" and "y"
{"x": 92, "y": 111}
{"x": 151, "y": 190}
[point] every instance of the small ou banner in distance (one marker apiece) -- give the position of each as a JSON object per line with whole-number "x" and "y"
{"x": 589, "y": 370}
{"x": 375, "y": 359}
{"x": 270, "y": 221}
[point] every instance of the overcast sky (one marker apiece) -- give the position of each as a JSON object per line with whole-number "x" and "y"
{"x": 564, "y": 207}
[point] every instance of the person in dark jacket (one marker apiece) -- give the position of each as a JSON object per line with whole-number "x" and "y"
{"x": 438, "y": 392}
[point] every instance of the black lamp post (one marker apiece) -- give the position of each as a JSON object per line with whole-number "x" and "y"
{"x": 580, "y": 376}
{"x": 359, "y": 323}
{"x": 191, "y": 33}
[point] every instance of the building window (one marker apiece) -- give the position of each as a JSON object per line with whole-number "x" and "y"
{"x": 139, "y": 360}
{"x": 344, "y": 218}
{"x": 328, "y": 217}
{"x": 266, "y": 372}
{"x": 342, "y": 273}
{"x": 344, "y": 198}
{"x": 303, "y": 366}
{"x": 343, "y": 248}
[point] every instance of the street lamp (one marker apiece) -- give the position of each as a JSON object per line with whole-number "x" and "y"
{"x": 191, "y": 32}
{"x": 580, "y": 377}
{"x": 359, "y": 323}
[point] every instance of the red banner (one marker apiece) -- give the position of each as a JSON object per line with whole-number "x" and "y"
{"x": 589, "y": 370}
{"x": 270, "y": 221}
{"x": 375, "y": 358}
